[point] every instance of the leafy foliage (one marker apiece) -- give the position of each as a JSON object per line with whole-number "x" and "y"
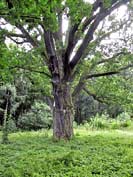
{"x": 105, "y": 122}
{"x": 12, "y": 126}
{"x": 74, "y": 9}
{"x": 100, "y": 154}
{"x": 38, "y": 117}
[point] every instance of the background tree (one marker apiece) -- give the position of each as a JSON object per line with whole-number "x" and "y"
{"x": 30, "y": 85}
{"x": 7, "y": 94}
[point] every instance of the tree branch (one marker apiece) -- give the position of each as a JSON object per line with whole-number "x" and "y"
{"x": 87, "y": 22}
{"x": 31, "y": 70}
{"x": 9, "y": 34}
{"x": 24, "y": 17}
{"x": 18, "y": 42}
{"x": 70, "y": 46}
{"x": 96, "y": 4}
{"x": 49, "y": 43}
{"x": 71, "y": 42}
{"x": 27, "y": 35}
{"x": 112, "y": 58}
{"x": 108, "y": 73}
{"x": 83, "y": 79}
{"x": 89, "y": 35}
{"x": 95, "y": 96}
{"x": 53, "y": 60}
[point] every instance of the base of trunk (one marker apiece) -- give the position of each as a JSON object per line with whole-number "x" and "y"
{"x": 63, "y": 125}
{"x": 63, "y": 113}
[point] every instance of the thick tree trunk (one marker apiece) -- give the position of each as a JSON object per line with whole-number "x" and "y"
{"x": 62, "y": 112}
{"x": 60, "y": 72}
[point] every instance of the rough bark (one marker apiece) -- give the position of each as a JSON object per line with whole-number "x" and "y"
{"x": 63, "y": 109}
{"x": 63, "y": 112}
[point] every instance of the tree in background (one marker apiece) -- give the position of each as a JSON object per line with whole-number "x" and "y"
{"x": 39, "y": 25}
{"x": 7, "y": 96}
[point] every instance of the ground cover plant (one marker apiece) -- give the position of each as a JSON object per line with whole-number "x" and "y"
{"x": 88, "y": 154}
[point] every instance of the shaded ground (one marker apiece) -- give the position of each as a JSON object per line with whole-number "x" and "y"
{"x": 90, "y": 153}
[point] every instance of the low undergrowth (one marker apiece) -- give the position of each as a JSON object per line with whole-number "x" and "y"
{"x": 100, "y": 122}
{"x": 88, "y": 154}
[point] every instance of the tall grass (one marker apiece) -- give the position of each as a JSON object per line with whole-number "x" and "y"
{"x": 105, "y": 122}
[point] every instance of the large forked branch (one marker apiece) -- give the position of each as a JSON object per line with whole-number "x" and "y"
{"x": 104, "y": 36}
{"x": 53, "y": 61}
{"x": 71, "y": 42}
{"x": 49, "y": 43}
{"x": 83, "y": 79}
{"x": 97, "y": 4}
{"x": 89, "y": 35}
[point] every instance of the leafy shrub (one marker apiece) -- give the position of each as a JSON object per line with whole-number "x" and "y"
{"x": 38, "y": 117}
{"x": 123, "y": 116}
{"x": 12, "y": 126}
{"x": 103, "y": 121}
{"x": 99, "y": 121}
{"x": 124, "y": 119}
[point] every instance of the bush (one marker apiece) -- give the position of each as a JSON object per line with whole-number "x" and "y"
{"x": 38, "y": 117}
{"x": 99, "y": 122}
{"x": 123, "y": 116}
{"x": 125, "y": 119}
{"x": 103, "y": 121}
{"x": 11, "y": 126}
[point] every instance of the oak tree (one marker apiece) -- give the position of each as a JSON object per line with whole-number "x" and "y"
{"x": 38, "y": 25}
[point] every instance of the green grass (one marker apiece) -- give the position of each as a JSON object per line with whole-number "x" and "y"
{"x": 88, "y": 154}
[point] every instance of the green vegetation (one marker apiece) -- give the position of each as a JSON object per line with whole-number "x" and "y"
{"x": 38, "y": 117}
{"x": 103, "y": 121}
{"x": 88, "y": 154}
{"x": 66, "y": 69}
{"x": 56, "y": 53}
